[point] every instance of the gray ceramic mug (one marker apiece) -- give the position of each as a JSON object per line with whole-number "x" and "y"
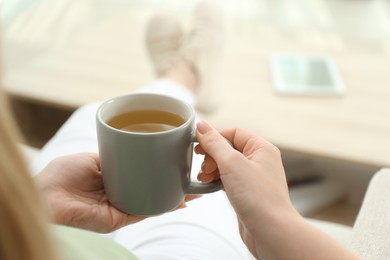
{"x": 148, "y": 173}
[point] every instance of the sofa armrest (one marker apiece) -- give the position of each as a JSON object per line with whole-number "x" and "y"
{"x": 371, "y": 231}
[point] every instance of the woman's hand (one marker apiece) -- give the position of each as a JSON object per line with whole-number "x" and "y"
{"x": 73, "y": 187}
{"x": 252, "y": 174}
{"x": 254, "y": 180}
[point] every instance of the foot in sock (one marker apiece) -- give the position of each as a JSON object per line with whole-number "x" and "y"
{"x": 174, "y": 52}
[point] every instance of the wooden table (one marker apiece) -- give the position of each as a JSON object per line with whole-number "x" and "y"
{"x": 108, "y": 58}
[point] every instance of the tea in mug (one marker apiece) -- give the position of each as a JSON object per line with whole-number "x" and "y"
{"x": 146, "y": 121}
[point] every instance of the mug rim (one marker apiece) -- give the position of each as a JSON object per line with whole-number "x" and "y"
{"x": 113, "y": 99}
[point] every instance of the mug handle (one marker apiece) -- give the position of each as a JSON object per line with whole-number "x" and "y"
{"x": 202, "y": 188}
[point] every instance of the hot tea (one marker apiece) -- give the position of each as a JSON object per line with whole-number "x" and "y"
{"x": 146, "y": 121}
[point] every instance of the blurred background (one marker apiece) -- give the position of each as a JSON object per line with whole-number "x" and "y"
{"x": 58, "y": 55}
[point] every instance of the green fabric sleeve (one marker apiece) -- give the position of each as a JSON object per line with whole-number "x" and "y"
{"x": 75, "y": 244}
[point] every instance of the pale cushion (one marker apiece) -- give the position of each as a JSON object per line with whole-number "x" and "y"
{"x": 371, "y": 232}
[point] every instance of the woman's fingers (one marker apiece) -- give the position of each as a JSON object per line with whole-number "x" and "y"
{"x": 213, "y": 143}
{"x": 208, "y": 165}
{"x": 209, "y": 177}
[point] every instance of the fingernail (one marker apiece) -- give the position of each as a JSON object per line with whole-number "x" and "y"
{"x": 203, "y": 165}
{"x": 203, "y": 127}
{"x": 205, "y": 178}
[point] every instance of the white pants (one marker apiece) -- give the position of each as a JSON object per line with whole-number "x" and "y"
{"x": 206, "y": 229}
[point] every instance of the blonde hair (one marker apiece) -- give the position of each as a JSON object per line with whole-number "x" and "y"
{"x": 24, "y": 229}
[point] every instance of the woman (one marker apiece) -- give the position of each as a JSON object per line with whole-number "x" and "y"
{"x": 252, "y": 174}
{"x": 70, "y": 182}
